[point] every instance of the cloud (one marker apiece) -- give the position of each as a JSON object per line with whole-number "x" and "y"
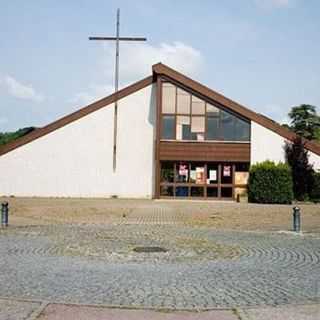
{"x": 136, "y": 60}
{"x": 19, "y": 90}
{"x": 270, "y": 4}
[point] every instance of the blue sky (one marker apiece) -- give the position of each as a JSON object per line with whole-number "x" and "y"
{"x": 262, "y": 53}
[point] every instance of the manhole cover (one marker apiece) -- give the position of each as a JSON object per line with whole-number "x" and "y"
{"x": 149, "y": 249}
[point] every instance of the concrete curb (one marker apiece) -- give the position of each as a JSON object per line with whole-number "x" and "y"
{"x": 36, "y": 313}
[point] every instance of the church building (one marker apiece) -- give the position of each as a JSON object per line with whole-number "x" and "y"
{"x": 174, "y": 138}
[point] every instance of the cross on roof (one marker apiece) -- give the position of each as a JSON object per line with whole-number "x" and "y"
{"x": 117, "y": 38}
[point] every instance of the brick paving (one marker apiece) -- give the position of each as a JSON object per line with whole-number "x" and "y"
{"x": 203, "y": 268}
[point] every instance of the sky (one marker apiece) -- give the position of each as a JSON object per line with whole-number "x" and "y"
{"x": 263, "y": 54}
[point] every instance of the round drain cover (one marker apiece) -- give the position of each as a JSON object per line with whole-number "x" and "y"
{"x": 149, "y": 249}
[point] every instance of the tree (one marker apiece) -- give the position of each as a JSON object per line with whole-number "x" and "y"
{"x": 305, "y": 121}
{"x": 302, "y": 171}
{"x": 7, "y": 137}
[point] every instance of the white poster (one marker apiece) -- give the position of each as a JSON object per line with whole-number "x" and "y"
{"x": 213, "y": 175}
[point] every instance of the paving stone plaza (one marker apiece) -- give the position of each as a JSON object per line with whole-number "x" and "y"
{"x": 201, "y": 268}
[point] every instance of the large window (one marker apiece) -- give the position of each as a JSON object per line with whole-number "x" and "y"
{"x": 187, "y": 117}
{"x": 185, "y": 179}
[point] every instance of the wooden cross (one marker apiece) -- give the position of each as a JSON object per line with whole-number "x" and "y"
{"x": 116, "y": 83}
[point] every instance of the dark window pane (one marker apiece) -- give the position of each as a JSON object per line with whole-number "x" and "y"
{"x": 167, "y": 172}
{"x": 213, "y": 128}
{"x": 197, "y": 192}
{"x": 212, "y": 192}
{"x": 242, "y": 130}
{"x": 166, "y": 191}
{"x": 227, "y": 126}
{"x": 168, "y": 127}
{"x": 226, "y": 192}
{"x": 242, "y": 166}
{"x": 182, "y": 191}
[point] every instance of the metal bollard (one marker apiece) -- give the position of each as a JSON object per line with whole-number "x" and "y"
{"x": 296, "y": 219}
{"x": 4, "y": 214}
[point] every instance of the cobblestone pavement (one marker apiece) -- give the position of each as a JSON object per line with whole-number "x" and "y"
{"x": 202, "y": 268}
{"x": 17, "y": 310}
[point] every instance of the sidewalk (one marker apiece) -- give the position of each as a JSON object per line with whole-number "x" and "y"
{"x": 29, "y": 310}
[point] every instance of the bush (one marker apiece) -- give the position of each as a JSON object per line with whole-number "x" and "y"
{"x": 314, "y": 193}
{"x": 270, "y": 183}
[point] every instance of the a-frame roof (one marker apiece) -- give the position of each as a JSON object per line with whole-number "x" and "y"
{"x": 171, "y": 74}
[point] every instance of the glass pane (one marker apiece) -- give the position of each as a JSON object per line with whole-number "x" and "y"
{"x": 198, "y": 106}
{"x": 166, "y": 191}
{"x": 197, "y": 173}
{"x": 212, "y": 173}
{"x": 242, "y": 130}
{"x": 212, "y": 192}
{"x": 226, "y": 173}
{"x": 182, "y": 191}
{"x": 227, "y": 126}
{"x": 226, "y": 192}
{"x": 242, "y": 166}
{"x": 197, "y": 124}
{"x": 212, "y": 110}
{"x": 168, "y": 128}
{"x": 182, "y": 172}
{"x": 167, "y": 172}
{"x": 183, "y": 101}
{"x": 213, "y": 129}
{"x": 197, "y": 192}
{"x": 183, "y": 129}
{"x": 168, "y": 98}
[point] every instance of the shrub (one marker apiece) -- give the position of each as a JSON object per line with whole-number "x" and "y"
{"x": 270, "y": 183}
{"x": 315, "y": 190}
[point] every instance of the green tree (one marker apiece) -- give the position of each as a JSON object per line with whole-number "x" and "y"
{"x": 302, "y": 171}
{"x": 6, "y": 137}
{"x": 305, "y": 121}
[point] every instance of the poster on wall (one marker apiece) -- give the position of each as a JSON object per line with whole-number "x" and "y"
{"x": 227, "y": 171}
{"x": 183, "y": 170}
{"x": 199, "y": 175}
{"x": 212, "y": 175}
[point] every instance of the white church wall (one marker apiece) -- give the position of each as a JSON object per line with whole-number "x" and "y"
{"x": 76, "y": 160}
{"x": 268, "y": 145}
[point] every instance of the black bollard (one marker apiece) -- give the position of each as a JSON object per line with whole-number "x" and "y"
{"x": 296, "y": 219}
{"x": 4, "y": 214}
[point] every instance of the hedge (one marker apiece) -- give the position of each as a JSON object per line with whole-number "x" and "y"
{"x": 270, "y": 183}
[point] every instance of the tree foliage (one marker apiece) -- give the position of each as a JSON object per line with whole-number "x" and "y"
{"x": 305, "y": 121}
{"x": 6, "y": 137}
{"x": 302, "y": 171}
